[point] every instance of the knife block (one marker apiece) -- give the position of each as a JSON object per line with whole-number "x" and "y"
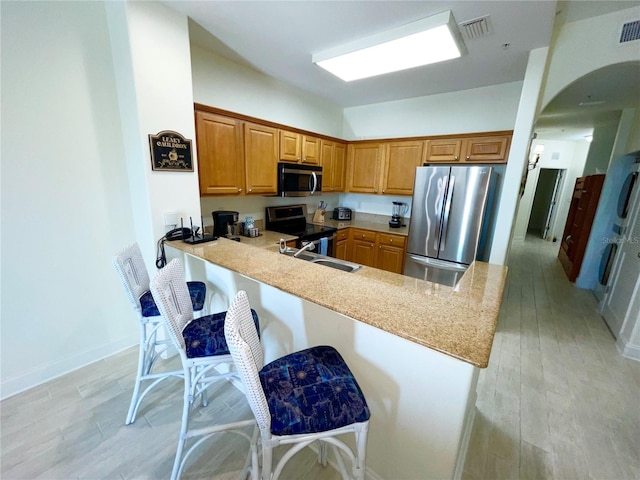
{"x": 318, "y": 216}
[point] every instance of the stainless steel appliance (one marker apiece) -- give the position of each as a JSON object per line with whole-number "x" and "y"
{"x": 342, "y": 213}
{"x": 292, "y": 220}
{"x": 446, "y": 217}
{"x": 299, "y": 180}
{"x": 225, "y": 224}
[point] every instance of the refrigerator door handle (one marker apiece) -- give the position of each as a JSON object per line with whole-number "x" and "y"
{"x": 447, "y": 211}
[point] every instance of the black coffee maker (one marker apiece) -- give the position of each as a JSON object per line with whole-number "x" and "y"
{"x": 225, "y": 224}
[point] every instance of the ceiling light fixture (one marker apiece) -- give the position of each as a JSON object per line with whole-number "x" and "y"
{"x": 430, "y": 40}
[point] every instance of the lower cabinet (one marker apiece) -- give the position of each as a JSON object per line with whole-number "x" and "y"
{"x": 376, "y": 249}
{"x": 342, "y": 243}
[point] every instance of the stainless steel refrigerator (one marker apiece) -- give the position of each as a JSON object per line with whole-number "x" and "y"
{"x": 446, "y": 218}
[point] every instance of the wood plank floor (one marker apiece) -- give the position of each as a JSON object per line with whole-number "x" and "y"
{"x": 557, "y": 401}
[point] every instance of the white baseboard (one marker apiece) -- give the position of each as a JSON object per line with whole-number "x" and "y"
{"x": 628, "y": 349}
{"x": 44, "y": 373}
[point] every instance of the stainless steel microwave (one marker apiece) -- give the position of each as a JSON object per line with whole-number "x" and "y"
{"x": 299, "y": 180}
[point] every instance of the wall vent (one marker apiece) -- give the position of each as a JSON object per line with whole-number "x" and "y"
{"x": 630, "y": 31}
{"x": 476, "y": 28}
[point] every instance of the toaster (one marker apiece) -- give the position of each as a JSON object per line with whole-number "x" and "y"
{"x": 341, "y": 213}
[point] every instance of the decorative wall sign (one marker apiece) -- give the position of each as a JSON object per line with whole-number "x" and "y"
{"x": 170, "y": 151}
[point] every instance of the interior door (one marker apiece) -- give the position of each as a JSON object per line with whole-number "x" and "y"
{"x": 625, "y": 281}
{"x": 552, "y": 205}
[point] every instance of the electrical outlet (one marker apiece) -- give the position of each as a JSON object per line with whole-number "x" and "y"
{"x": 170, "y": 220}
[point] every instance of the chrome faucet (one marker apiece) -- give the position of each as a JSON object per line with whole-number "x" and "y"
{"x": 308, "y": 246}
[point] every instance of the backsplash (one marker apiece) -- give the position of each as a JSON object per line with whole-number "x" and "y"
{"x": 370, "y": 208}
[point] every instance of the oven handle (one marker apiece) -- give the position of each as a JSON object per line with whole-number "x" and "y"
{"x": 317, "y": 242}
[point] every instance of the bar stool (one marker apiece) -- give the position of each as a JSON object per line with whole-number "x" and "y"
{"x": 306, "y": 396}
{"x": 135, "y": 279}
{"x": 202, "y": 347}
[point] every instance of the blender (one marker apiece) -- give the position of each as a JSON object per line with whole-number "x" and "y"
{"x": 398, "y": 211}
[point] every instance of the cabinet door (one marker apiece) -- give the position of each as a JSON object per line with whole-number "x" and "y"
{"x": 390, "y": 259}
{"x": 486, "y": 149}
{"x": 261, "y": 158}
{"x": 327, "y": 152}
{"x": 363, "y": 252}
{"x": 289, "y": 146}
{"x": 339, "y": 156}
{"x": 310, "y": 150}
{"x": 402, "y": 159}
{"x": 364, "y": 167}
{"x": 220, "y": 156}
{"x": 443, "y": 150}
{"x": 341, "y": 249}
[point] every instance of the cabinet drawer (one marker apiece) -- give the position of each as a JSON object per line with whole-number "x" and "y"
{"x": 366, "y": 235}
{"x": 391, "y": 240}
{"x": 343, "y": 234}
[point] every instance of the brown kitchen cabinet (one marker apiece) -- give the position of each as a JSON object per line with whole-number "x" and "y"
{"x": 399, "y": 167}
{"x": 363, "y": 167}
{"x": 298, "y": 148}
{"x": 332, "y": 159}
{"x": 390, "y": 254}
{"x": 582, "y": 210}
{"x": 480, "y": 149}
{"x": 442, "y": 150}
{"x": 491, "y": 149}
{"x": 376, "y": 249}
{"x": 261, "y": 159}
{"x": 342, "y": 244}
{"x": 220, "y": 154}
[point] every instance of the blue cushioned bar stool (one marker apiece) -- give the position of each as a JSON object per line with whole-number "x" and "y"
{"x": 303, "y": 397}
{"x": 202, "y": 347}
{"x": 135, "y": 280}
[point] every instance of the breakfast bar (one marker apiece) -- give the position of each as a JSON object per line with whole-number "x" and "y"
{"x": 416, "y": 347}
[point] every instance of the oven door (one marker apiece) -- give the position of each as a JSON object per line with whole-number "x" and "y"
{"x": 301, "y": 242}
{"x": 299, "y": 180}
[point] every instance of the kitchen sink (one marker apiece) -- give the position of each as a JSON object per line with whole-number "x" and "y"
{"x": 323, "y": 260}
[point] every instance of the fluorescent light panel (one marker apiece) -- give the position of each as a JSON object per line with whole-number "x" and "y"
{"x": 430, "y": 40}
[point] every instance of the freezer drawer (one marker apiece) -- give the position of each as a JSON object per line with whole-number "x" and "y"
{"x": 433, "y": 270}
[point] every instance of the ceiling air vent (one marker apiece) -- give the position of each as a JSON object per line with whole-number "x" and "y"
{"x": 630, "y": 31}
{"x": 476, "y": 28}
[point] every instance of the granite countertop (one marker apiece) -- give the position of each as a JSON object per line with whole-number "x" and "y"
{"x": 459, "y": 321}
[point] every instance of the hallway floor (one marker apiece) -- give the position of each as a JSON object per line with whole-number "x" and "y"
{"x": 556, "y": 402}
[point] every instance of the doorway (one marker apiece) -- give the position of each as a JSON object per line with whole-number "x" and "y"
{"x": 545, "y": 200}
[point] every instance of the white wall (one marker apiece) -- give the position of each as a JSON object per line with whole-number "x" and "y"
{"x": 468, "y": 111}
{"x": 153, "y": 74}
{"x": 571, "y": 157}
{"x": 604, "y": 137}
{"x": 221, "y": 83}
{"x": 65, "y": 195}
{"x": 587, "y": 45}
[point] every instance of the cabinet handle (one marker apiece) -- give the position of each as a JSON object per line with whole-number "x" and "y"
{"x": 250, "y": 190}
{"x": 375, "y": 190}
{"x": 239, "y": 190}
{"x": 455, "y": 157}
{"x": 391, "y": 240}
{"x": 382, "y": 191}
{"x": 468, "y": 157}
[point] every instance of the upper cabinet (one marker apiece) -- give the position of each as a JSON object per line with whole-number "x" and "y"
{"x": 363, "y": 167}
{"x": 383, "y": 168}
{"x": 238, "y": 155}
{"x": 220, "y": 154}
{"x": 442, "y": 150}
{"x": 261, "y": 159}
{"x": 399, "y": 167}
{"x": 486, "y": 149}
{"x": 481, "y": 149}
{"x": 332, "y": 159}
{"x": 299, "y": 148}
